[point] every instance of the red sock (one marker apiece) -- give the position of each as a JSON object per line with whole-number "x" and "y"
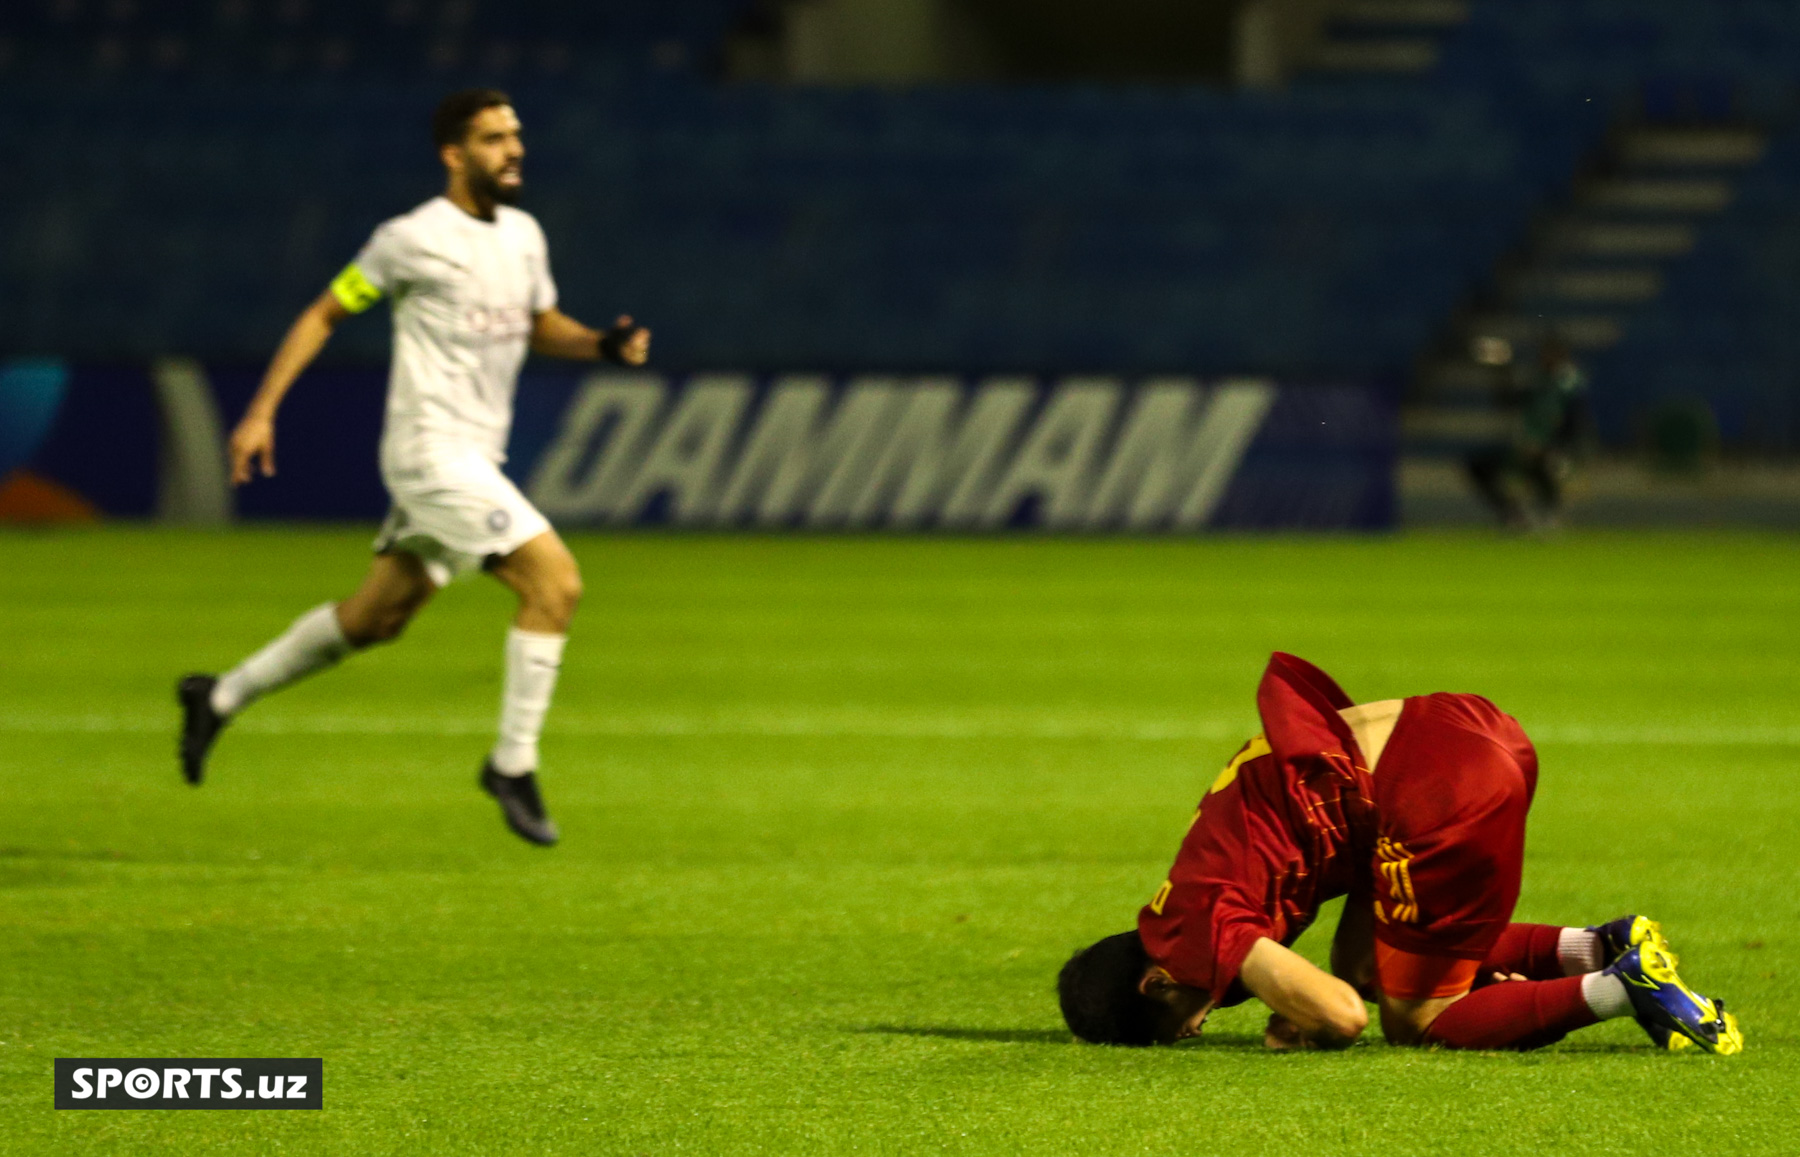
{"x": 1526, "y": 1014}
{"x": 1527, "y": 949}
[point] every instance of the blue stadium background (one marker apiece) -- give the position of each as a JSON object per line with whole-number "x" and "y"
{"x": 185, "y": 175}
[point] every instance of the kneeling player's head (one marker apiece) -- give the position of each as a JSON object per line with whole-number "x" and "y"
{"x": 1101, "y": 988}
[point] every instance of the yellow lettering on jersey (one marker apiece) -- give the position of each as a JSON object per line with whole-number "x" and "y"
{"x": 1394, "y": 861}
{"x": 354, "y": 291}
{"x": 1162, "y": 897}
{"x": 1255, "y": 749}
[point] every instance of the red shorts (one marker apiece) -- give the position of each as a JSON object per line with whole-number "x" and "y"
{"x": 1452, "y": 790}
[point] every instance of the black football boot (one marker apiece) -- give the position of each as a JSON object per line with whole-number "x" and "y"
{"x": 520, "y": 803}
{"x": 200, "y": 724}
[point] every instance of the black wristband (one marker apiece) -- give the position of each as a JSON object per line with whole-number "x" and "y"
{"x": 612, "y": 343}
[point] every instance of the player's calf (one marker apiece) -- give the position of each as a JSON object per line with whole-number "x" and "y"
{"x": 396, "y": 589}
{"x": 369, "y": 629}
{"x": 1516, "y": 1016}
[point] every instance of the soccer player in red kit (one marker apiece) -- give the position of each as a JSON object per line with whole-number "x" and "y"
{"x": 1415, "y": 810}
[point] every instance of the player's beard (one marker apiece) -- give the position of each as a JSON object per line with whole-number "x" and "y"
{"x": 486, "y": 186}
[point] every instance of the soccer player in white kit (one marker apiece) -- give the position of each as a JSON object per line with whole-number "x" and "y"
{"x": 469, "y": 278}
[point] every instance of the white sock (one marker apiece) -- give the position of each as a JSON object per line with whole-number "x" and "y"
{"x": 532, "y": 660}
{"x": 1578, "y": 951}
{"x": 315, "y": 641}
{"x": 1606, "y": 995}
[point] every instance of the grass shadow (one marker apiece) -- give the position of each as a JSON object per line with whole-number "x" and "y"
{"x": 1636, "y": 1048}
{"x": 104, "y": 855}
{"x": 1036, "y": 1036}
{"x": 1043, "y": 1036}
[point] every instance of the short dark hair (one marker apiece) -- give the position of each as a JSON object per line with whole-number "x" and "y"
{"x": 450, "y": 123}
{"x": 1098, "y": 988}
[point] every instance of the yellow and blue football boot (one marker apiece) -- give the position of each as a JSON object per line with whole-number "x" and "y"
{"x": 1675, "y": 1016}
{"x": 1617, "y": 937}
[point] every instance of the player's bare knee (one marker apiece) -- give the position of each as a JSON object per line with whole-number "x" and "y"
{"x": 561, "y": 608}
{"x": 1408, "y": 1028}
{"x": 558, "y": 597}
{"x": 568, "y": 594}
{"x": 1404, "y": 1035}
{"x": 550, "y": 604}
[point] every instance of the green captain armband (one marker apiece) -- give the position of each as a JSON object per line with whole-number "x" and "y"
{"x": 354, "y": 291}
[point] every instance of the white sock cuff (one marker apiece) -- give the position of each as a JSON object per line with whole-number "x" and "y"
{"x": 1605, "y": 995}
{"x": 322, "y": 624}
{"x": 538, "y": 644}
{"x": 1578, "y": 951}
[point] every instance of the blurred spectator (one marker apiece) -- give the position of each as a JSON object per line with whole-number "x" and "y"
{"x": 1550, "y": 437}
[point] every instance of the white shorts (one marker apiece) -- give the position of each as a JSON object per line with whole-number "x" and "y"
{"x": 456, "y": 514}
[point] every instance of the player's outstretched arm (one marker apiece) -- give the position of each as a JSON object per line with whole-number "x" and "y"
{"x": 555, "y": 334}
{"x": 1323, "y": 1011}
{"x": 253, "y": 442}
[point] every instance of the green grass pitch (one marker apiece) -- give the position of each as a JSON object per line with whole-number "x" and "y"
{"x": 834, "y": 812}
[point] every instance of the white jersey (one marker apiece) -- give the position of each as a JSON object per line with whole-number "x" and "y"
{"x": 465, "y": 293}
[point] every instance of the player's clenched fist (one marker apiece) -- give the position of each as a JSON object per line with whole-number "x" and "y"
{"x": 1283, "y": 1033}
{"x": 626, "y": 342}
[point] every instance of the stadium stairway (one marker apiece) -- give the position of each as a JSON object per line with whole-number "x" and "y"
{"x": 1598, "y": 266}
{"x": 1668, "y": 206}
{"x": 1591, "y": 261}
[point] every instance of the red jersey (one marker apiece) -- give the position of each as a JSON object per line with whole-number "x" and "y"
{"x": 1288, "y": 825}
